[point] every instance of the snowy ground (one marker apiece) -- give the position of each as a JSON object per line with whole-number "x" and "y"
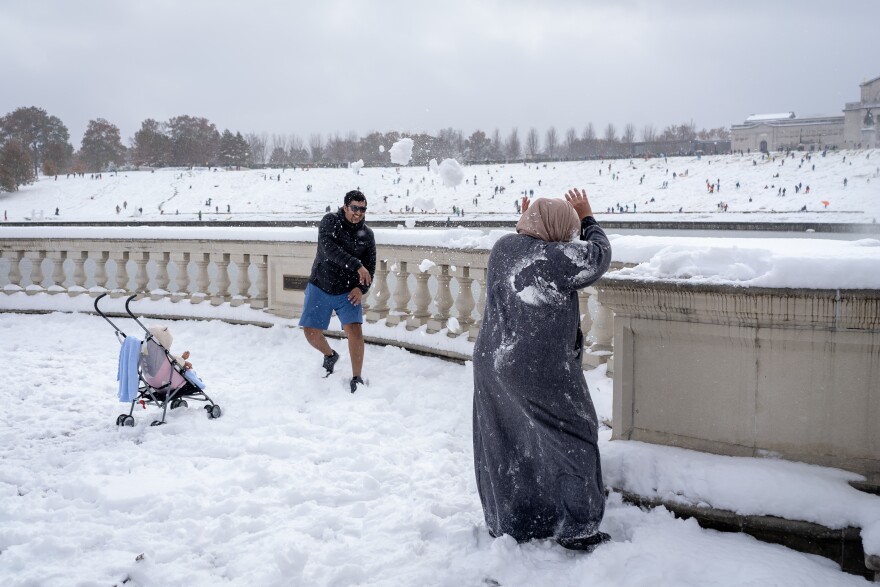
{"x": 302, "y": 483}
{"x": 261, "y": 195}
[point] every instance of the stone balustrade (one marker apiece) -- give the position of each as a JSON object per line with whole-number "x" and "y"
{"x": 441, "y": 289}
{"x": 748, "y": 371}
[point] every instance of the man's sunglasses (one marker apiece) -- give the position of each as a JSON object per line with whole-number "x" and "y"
{"x": 357, "y": 209}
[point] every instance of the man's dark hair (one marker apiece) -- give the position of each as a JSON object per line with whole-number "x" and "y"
{"x": 354, "y": 195}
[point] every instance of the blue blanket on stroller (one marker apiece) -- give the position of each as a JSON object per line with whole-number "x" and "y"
{"x": 193, "y": 378}
{"x": 127, "y": 375}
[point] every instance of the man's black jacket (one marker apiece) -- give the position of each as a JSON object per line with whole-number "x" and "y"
{"x": 342, "y": 248}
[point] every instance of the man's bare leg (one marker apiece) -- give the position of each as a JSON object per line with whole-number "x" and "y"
{"x": 316, "y": 338}
{"x": 355, "y": 347}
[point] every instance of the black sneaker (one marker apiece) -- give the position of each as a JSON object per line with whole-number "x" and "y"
{"x": 330, "y": 362}
{"x": 355, "y": 381}
{"x": 586, "y": 544}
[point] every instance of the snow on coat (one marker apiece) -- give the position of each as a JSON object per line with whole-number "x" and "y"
{"x": 535, "y": 430}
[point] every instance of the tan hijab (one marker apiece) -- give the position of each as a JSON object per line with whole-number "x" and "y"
{"x": 549, "y": 220}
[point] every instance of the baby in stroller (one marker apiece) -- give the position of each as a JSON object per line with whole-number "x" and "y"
{"x": 163, "y": 371}
{"x": 149, "y": 374}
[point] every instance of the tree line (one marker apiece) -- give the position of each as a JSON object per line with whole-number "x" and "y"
{"x": 32, "y": 141}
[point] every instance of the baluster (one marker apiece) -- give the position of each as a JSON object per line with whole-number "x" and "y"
{"x": 57, "y": 258}
{"x": 162, "y": 278}
{"x": 221, "y": 262}
{"x": 474, "y": 330}
{"x": 400, "y": 313}
{"x": 121, "y": 259}
{"x": 442, "y": 301}
{"x": 14, "y": 270}
{"x": 381, "y": 295}
{"x": 586, "y": 320}
{"x": 602, "y": 350}
{"x": 101, "y": 258}
{"x": 37, "y": 277}
{"x": 141, "y": 278}
{"x": 465, "y": 302}
{"x": 603, "y": 328}
{"x": 243, "y": 281}
{"x": 262, "y": 299}
{"x": 202, "y": 279}
{"x": 182, "y": 279}
{"x": 422, "y": 299}
{"x": 79, "y": 272}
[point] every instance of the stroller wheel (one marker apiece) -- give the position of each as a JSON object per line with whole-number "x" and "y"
{"x": 120, "y": 419}
{"x": 213, "y": 411}
{"x": 128, "y": 420}
{"x": 178, "y": 403}
{"x": 156, "y": 423}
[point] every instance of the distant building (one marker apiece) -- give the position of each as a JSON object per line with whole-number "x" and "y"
{"x": 859, "y": 124}
{"x": 785, "y": 131}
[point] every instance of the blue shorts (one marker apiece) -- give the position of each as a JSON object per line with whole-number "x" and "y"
{"x": 319, "y": 306}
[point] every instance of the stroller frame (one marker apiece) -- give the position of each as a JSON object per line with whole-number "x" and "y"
{"x": 149, "y": 395}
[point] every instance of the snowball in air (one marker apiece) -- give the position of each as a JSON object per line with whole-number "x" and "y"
{"x": 401, "y": 151}
{"x": 451, "y": 173}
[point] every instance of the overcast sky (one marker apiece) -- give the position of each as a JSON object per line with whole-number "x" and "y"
{"x": 331, "y": 66}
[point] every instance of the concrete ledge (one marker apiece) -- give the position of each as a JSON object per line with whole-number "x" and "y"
{"x": 843, "y": 545}
{"x": 607, "y": 221}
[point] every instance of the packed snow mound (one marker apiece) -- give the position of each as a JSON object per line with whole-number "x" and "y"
{"x": 451, "y": 173}
{"x": 381, "y": 148}
{"x": 401, "y": 151}
{"x": 432, "y": 165}
{"x": 356, "y": 166}
{"x": 787, "y": 263}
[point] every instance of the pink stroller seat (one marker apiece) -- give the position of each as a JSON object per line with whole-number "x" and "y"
{"x": 157, "y": 370}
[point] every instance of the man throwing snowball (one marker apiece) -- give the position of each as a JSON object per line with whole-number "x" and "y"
{"x": 341, "y": 274}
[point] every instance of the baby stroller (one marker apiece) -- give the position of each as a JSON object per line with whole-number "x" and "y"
{"x": 161, "y": 381}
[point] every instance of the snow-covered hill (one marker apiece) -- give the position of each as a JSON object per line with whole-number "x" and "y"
{"x": 180, "y": 194}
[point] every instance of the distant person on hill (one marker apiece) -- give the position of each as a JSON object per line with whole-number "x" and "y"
{"x": 341, "y": 275}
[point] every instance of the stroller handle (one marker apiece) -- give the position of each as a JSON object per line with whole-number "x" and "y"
{"x": 135, "y": 318}
{"x": 119, "y": 333}
{"x": 127, "y": 309}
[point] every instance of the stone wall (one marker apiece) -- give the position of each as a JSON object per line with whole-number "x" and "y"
{"x": 749, "y": 372}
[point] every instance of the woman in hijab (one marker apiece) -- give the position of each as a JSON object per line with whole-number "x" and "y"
{"x": 535, "y": 430}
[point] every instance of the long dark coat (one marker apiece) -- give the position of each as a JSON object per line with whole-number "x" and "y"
{"x": 535, "y": 430}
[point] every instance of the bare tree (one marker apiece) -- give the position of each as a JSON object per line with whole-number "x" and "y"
{"x": 533, "y": 143}
{"x": 551, "y": 142}
{"x": 514, "y": 148}
{"x": 649, "y": 135}
{"x": 295, "y": 143}
{"x": 687, "y": 131}
{"x": 258, "y": 144}
{"x": 589, "y": 133}
{"x": 497, "y": 145}
{"x": 279, "y": 142}
{"x": 570, "y": 142}
{"x": 610, "y": 133}
{"x": 629, "y": 133}
{"x": 316, "y": 146}
{"x": 297, "y": 152}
